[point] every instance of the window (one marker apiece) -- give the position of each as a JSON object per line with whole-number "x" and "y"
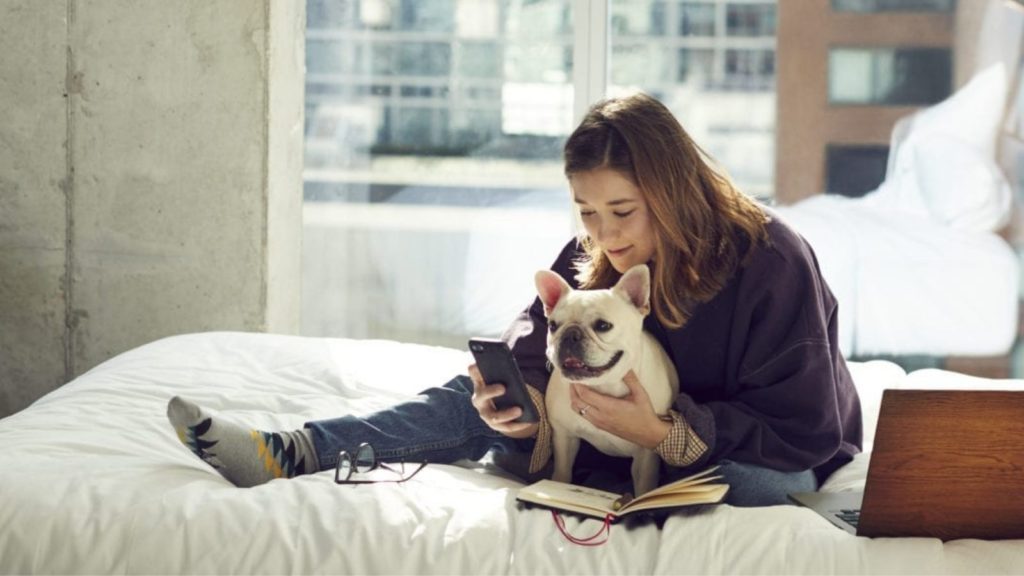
{"x": 854, "y": 170}
{"x": 644, "y": 18}
{"x": 750, "y": 70}
{"x": 889, "y": 76}
{"x": 715, "y": 69}
{"x": 696, "y": 65}
{"x": 433, "y": 141}
{"x": 433, "y": 179}
{"x": 750, "y": 20}
{"x": 696, "y": 19}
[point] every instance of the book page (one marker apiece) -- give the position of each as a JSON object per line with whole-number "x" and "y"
{"x": 571, "y": 497}
{"x": 700, "y": 494}
{"x": 697, "y": 479}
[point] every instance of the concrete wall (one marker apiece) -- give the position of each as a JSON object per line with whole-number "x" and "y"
{"x": 150, "y": 178}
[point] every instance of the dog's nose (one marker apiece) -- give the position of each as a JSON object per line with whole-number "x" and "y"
{"x": 573, "y": 334}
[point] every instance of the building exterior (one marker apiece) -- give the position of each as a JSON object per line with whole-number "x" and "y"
{"x": 847, "y": 71}
{"x": 493, "y": 78}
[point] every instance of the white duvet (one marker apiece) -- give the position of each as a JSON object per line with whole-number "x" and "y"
{"x": 907, "y": 285}
{"x": 94, "y": 481}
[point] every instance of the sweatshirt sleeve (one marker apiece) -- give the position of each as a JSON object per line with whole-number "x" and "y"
{"x": 781, "y": 406}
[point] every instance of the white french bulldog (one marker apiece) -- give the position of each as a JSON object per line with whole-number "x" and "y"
{"x": 594, "y": 338}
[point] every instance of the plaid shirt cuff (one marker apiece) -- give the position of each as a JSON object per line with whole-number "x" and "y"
{"x": 682, "y": 446}
{"x": 542, "y": 447}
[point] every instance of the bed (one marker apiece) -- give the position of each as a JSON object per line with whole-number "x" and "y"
{"x": 95, "y": 481}
{"x": 918, "y": 265}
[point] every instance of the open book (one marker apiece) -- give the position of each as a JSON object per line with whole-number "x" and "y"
{"x": 699, "y": 488}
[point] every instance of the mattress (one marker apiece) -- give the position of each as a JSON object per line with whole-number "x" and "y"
{"x": 95, "y": 481}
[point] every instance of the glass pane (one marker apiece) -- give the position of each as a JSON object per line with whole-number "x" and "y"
{"x": 365, "y": 458}
{"x": 854, "y": 170}
{"x": 696, "y": 66}
{"x": 645, "y": 18}
{"x": 903, "y": 76}
{"x": 750, "y": 70}
{"x": 714, "y": 67}
{"x": 696, "y": 19}
{"x": 894, "y": 5}
{"x": 433, "y": 176}
{"x": 750, "y": 19}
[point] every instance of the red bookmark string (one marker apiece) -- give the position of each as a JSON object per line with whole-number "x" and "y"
{"x": 606, "y": 530}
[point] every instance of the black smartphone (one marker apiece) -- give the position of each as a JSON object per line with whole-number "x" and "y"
{"x": 498, "y": 366}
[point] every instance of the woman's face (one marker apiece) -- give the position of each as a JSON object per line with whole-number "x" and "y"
{"x": 615, "y": 216}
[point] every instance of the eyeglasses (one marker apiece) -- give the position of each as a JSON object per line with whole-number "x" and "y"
{"x": 365, "y": 461}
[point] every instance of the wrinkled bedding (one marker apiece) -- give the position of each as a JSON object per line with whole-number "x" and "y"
{"x": 907, "y": 285}
{"x": 95, "y": 481}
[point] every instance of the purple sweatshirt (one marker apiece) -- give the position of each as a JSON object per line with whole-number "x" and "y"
{"x": 761, "y": 377}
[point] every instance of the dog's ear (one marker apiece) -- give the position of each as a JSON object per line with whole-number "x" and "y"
{"x": 550, "y": 287}
{"x": 635, "y": 287}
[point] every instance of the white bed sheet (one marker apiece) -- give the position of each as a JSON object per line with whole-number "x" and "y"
{"x": 95, "y": 481}
{"x": 907, "y": 285}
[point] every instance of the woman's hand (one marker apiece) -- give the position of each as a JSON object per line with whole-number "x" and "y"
{"x": 499, "y": 420}
{"x": 631, "y": 417}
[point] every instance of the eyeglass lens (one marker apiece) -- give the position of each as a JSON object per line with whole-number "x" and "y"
{"x": 365, "y": 459}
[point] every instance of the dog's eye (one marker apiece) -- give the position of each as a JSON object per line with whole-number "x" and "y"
{"x": 602, "y": 326}
{"x": 552, "y": 326}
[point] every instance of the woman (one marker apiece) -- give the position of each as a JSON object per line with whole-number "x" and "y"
{"x": 738, "y": 302}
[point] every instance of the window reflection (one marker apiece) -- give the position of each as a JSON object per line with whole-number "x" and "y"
{"x": 433, "y": 137}
{"x": 714, "y": 66}
{"x": 696, "y": 19}
{"x": 750, "y": 20}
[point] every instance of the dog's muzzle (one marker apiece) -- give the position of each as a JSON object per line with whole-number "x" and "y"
{"x": 571, "y": 353}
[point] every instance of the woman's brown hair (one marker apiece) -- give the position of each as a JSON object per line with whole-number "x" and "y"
{"x": 704, "y": 226}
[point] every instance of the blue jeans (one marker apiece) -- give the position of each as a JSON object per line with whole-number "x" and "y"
{"x": 751, "y": 485}
{"x": 441, "y": 426}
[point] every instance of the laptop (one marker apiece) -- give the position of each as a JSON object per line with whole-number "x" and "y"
{"x": 946, "y": 464}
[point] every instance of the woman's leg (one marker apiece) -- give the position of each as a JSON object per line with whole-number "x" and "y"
{"x": 439, "y": 425}
{"x": 245, "y": 456}
{"x": 751, "y": 485}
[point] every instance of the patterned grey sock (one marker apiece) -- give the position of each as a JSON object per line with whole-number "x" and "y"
{"x": 245, "y": 457}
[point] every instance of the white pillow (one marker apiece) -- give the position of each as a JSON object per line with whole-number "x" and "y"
{"x": 972, "y": 114}
{"x": 960, "y": 187}
{"x": 942, "y": 159}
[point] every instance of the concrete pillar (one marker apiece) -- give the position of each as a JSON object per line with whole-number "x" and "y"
{"x": 33, "y": 210}
{"x": 166, "y": 185}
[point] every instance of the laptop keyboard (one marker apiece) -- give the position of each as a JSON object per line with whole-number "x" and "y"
{"x": 851, "y": 517}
